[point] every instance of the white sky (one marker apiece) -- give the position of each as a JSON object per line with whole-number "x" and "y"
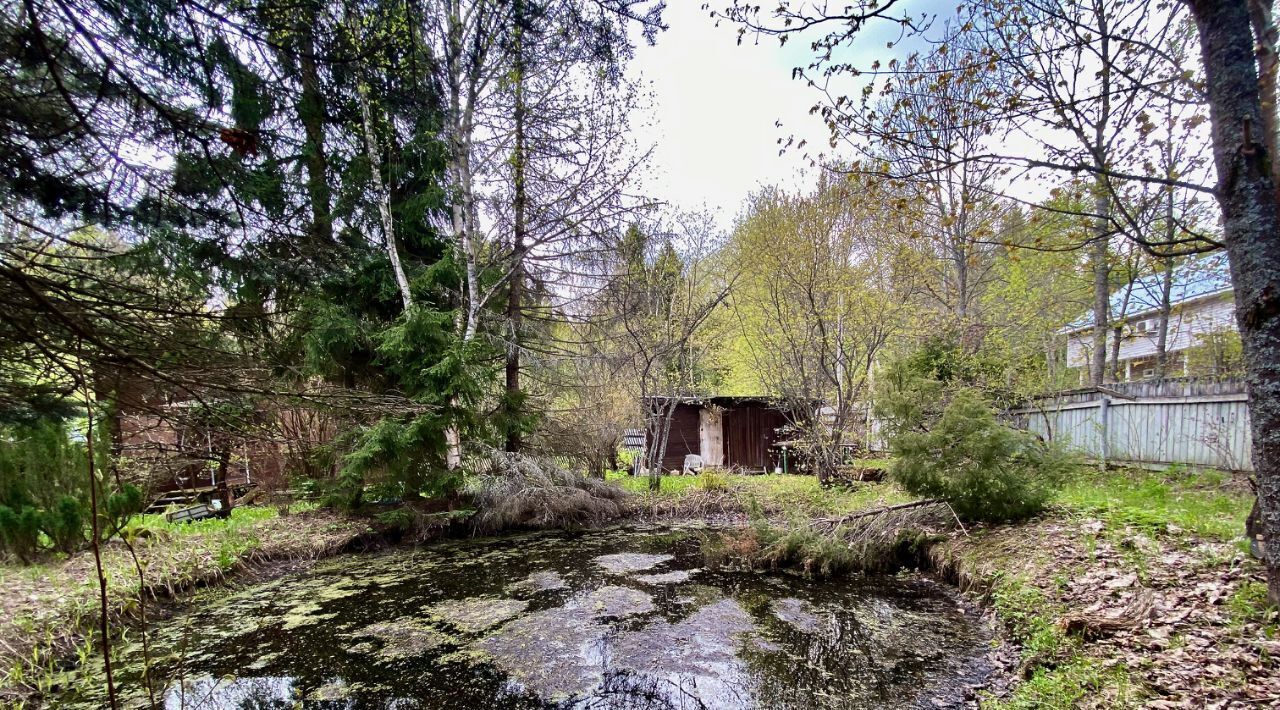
{"x": 715, "y": 106}
{"x": 715, "y": 109}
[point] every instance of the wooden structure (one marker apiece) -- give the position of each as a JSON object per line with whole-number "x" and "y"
{"x": 1192, "y": 421}
{"x": 727, "y": 432}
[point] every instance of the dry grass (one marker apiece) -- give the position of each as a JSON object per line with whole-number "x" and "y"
{"x": 880, "y": 540}
{"x": 512, "y": 491}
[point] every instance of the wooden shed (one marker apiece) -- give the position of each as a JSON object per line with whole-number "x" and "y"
{"x": 727, "y": 432}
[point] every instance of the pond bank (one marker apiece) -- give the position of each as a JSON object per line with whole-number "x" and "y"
{"x": 51, "y": 609}
{"x": 1133, "y": 590}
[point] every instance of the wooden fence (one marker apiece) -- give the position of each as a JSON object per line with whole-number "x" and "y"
{"x": 1197, "y": 422}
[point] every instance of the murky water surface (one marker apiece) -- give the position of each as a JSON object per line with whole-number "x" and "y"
{"x": 622, "y": 618}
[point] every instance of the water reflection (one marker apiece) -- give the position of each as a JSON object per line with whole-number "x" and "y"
{"x": 534, "y": 622}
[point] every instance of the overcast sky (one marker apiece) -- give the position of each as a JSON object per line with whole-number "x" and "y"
{"x": 715, "y": 109}
{"x": 713, "y": 113}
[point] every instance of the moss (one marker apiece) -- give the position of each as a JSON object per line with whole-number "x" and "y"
{"x": 676, "y": 577}
{"x": 627, "y": 562}
{"x": 545, "y": 581}
{"x": 617, "y": 602}
{"x": 477, "y": 614}
{"x": 405, "y": 637}
{"x": 796, "y": 612}
{"x": 543, "y": 652}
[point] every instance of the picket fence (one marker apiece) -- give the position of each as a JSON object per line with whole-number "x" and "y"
{"x": 1193, "y": 421}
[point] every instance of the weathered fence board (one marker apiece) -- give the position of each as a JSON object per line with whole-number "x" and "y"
{"x": 1195, "y": 422}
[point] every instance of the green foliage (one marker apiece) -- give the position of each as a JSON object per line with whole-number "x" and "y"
{"x": 44, "y": 492}
{"x": 20, "y": 531}
{"x": 948, "y": 443}
{"x": 65, "y": 524}
{"x": 118, "y": 508}
{"x": 1216, "y": 354}
{"x": 987, "y": 471}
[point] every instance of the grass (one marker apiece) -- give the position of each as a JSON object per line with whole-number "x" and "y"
{"x": 778, "y": 494}
{"x": 1078, "y": 681}
{"x": 1198, "y": 503}
{"x": 511, "y": 491}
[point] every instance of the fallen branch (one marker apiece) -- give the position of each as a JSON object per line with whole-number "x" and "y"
{"x": 836, "y": 522}
{"x": 1094, "y": 626}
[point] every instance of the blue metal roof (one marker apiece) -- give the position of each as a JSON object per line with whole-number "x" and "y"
{"x": 1191, "y": 280}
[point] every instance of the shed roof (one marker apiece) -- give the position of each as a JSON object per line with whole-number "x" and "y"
{"x": 1194, "y": 279}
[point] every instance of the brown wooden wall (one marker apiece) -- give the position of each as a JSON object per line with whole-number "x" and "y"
{"x": 748, "y": 435}
{"x": 749, "y": 431}
{"x": 683, "y": 438}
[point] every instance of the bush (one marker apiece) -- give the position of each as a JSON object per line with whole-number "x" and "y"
{"x": 20, "y": 531}
{"x": 65, "y": 523}
{"x": 985, "y": 470}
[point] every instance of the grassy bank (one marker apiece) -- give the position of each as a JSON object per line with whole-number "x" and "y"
{"x": 51, "y": 609}
{"x": 1135, "y": 590}
{"x": 781, "y": 496}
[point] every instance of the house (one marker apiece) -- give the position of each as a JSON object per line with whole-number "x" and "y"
{"x": 727, "y": 432}
{"x": 1201, "y": 303}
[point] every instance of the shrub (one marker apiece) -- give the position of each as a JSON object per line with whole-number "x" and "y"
{"x": 20, "y": 531}
{"x": 985, "y": 470}
{"x": 65, "y": 523}
{"x": 117, "y": 508}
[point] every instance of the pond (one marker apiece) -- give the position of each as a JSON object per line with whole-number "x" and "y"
{"x": 617, "y": 618}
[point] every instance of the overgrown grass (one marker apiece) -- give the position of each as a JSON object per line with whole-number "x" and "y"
{"x": 511, "y": 491}
{"x": 1198, "y": 503}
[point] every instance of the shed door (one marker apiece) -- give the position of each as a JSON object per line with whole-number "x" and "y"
{"x": 711, "y": 436}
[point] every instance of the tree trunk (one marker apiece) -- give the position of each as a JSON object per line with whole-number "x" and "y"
{"x": 516, "y": 286}
{"x": 1251, "y": 231}
{"x": 1101, "y": 301}
{"x": 311, "y": 113}
{"x": 1266, "y": 36}
{"x": 1166, "y": 310}
{"x": 1117, "y": 331}
{"x": 224, "y": 490}
{"x": 383, "y": 195}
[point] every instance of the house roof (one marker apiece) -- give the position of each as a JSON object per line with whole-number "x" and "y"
{"x": 1192, "y": 280}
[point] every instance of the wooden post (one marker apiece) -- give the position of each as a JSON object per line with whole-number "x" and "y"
{"x": 1104, "y": 417}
